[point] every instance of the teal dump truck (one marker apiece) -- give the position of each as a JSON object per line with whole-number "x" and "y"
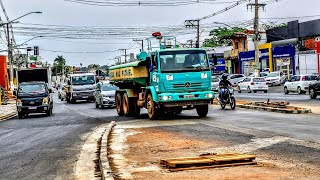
{"x": 164, "y": 81}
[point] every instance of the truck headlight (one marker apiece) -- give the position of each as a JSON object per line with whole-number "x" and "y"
{"x": 165, "y": 98}
{"x": 45, "y": 101}
{"x": 19, "y": 102}
{"x": 74, "y": 94}
{"x": 209, "y": 95}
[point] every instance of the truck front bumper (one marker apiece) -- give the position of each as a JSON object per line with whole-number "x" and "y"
{"x": 33, "y": 109}
{"x": 185, "y": 99}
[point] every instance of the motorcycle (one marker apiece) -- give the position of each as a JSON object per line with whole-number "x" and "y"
{"x": 227, "y": 98}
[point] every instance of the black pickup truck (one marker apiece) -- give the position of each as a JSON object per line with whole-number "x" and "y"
{"x": 34, "y": 97}
{"x": 314, "y": 89}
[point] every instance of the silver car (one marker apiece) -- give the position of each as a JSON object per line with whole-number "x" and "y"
{"x": 215, "y": 83}
{"x": 104, "y": 95}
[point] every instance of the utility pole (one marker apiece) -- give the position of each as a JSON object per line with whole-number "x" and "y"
{"x": 194, "y": 24}
{"x": 10, "y": 58}
{"x": 139, "y": 40}
{"x": 256, "y": 6}
{"x": 125, "y": 54}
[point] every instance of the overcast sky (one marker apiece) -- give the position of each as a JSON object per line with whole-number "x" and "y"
{"x": 60, "y": 12}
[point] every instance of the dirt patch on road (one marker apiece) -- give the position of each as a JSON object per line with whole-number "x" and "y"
{"x": 146, "y": 146}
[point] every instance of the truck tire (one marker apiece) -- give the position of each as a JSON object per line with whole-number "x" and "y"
{"x": 202, "y": 110}
{"x": 312, "y": 93}
{"x": 152, "y": 111}
{"x": 126, "y": 104}
{"x": 119, "y": 104}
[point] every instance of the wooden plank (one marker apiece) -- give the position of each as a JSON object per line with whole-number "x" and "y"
{"x": 212, "y": 166}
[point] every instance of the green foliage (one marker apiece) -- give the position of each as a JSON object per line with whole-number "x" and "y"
{"x": 93, "y": 66}
{"x": 58, "y": 63}
{"x": 220, "y": 36}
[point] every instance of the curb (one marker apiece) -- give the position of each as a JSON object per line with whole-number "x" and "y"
{"x": 279, "y": 110}
{"x": 8, "y": 116}
{"x": 105, "y": 169}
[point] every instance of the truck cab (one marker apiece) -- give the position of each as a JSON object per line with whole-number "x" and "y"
{"x": 33, "y": 97}
{"x": 80, "y": 87}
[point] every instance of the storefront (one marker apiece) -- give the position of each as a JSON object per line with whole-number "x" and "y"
{"x": 283, "y": 59}
{"x": 247, "y": 61}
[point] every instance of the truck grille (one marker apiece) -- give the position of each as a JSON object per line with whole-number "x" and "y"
{"x": 191, "y": 85}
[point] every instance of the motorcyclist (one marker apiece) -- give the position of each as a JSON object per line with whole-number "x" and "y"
{"x": 223, "y": 84}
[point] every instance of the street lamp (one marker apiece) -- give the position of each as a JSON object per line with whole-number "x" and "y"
{"x": 10, "y": 45}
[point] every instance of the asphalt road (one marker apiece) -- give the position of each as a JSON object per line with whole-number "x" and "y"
{"x": 42, "y": 147}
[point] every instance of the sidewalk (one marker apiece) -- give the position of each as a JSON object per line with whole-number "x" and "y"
{"x": 7, "y": 111}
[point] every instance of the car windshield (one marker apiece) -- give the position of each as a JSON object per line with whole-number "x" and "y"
{"x": 83, "y": 80}
{"x": 187, "y": 60}
{"x": 259, "y": 80}
{"x": 215, "y": 79}
{"x": 32, "y": 89}
{"x": 109, "y": 87}
{"x": 272, "y": 74}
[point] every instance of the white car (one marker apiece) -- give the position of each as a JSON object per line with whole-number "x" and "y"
{"x": 275, "y": 78}
{"x": 254, "y": 84}
{"x": 235, "y": 78}
{"x": 215, "y": 83}
{"x": 299, "y": 83}
{"x": 104, "y": 95}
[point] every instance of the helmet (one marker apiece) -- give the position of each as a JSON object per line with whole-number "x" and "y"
{"x": 224, "y": 76}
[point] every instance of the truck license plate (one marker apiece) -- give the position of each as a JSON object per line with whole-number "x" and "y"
{"x": 32, "y": 107}
{"x": 188, "y": 96}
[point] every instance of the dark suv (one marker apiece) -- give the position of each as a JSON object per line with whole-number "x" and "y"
{"x": 34, "y": 97}
{"x": 314, "y": 89}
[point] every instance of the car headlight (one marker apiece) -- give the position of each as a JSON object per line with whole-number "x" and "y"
{"x": 45, "y": 101}
{"x": 19, "y": 102}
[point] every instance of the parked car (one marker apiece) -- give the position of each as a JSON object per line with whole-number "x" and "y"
{"x": 104, "y": 95}
{"x": 314, "y": 88}
{"x": 235, "y": 78}
{"x": 299, "y": 83}
{"x": 254, "y": 84}
{"x": 33, "y": 97}
{"x": 262, "y": 74}
{"x": 215, "y": 83}
{"x": 62, "y": 92}
{"x": 275, "y": 78}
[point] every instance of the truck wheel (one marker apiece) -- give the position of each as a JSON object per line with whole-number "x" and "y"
{"x": 312, "y": 94}
{"x": 152, "y": 111}
{"x": 202, "y": 110}
{"x": 119, "y": 104}
{"x": 20, "y": 115}
{"x": 126, "y": 105}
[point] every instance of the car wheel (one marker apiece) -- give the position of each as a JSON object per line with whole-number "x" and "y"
{"x": 312, "y": 94}
{"x": 239, "y": 90}
{"x": 254, "y": 91}
{"x": 286, "y": 90}
{"x": 248, "y": 89}
{"x": 299, "y": 90}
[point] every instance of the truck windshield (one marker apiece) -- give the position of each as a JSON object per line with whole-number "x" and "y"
{"x": 185, "y": 60}
{"x": 32, "y": 89}
{"x": 83, "y": 80}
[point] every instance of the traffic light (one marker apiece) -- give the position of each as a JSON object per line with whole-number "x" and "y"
{"x": 36, "y": 50}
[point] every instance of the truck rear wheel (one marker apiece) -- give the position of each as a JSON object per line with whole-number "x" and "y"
{"x": 202, "y": 110}
{"x": 119, "y": 104}
{"x": 126, "y": 105}
{"x": 152, "y": 111}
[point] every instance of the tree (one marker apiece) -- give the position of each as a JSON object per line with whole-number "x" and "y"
{"x": 220, "y": 36}
{"x": 58, "y": 63}
{"x": 93, "y": 66}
